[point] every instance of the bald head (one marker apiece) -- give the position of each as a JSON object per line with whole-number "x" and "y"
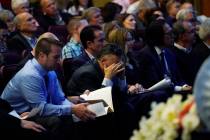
{"x": 49, "y": 7}
{"x": 187, "y": 5}
{"x": 19, "y": 6}
{"x": 25, "y": 22}
{"x": 48, "y": 35}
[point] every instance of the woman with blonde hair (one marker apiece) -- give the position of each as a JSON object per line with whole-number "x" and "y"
{"x": 124, "y": 39}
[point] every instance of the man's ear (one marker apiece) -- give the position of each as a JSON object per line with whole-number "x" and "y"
{"x": 103, "y": 60}
{"x": 89, "y": 43}
{"x": 41, "y": 55}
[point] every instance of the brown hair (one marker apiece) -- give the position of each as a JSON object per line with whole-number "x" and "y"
{"x": 44, "y": 45}
{"x": 118, "y": 36}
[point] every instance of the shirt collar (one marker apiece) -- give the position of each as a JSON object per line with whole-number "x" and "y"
{"x": 207, "y": 45}
{"x": 39, "y": 67}
{"x": 90, "y": 55}
{"x": 158, "y": 50}
{"x": 72, "y": 40}
{"x": 29, "y": 39}
{"x": 186, "y": 50}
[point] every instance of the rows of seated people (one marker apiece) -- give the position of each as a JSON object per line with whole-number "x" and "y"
{"x": 129, "y": 47}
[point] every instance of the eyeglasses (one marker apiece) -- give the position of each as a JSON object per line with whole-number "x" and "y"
{"x": 169, "y": 34}
{"x": 190, "y": 32}
{"x": 129, "y": 39}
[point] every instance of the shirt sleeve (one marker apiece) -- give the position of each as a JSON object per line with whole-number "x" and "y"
{"x": 122, "y": 84}
{"x": 34, "y": 92}
{"x": 107, "y": 82}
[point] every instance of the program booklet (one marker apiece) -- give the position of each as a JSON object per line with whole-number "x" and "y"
{"x": 100, "y": 102}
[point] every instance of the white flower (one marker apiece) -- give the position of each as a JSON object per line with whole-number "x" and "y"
{"x": 163, "y": 122}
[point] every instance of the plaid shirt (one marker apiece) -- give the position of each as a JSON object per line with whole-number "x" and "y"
{"x": 72, "y": 49}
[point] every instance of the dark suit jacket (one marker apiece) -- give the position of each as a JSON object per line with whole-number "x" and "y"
{"x": 11, "y": 126}
{"x": 45, "y": 21}
{"x": 131, "y": 70}
{"x": 187, "y": 64}
{"x": 72, "y": 64}
{"x": 201, "y": 52}
{"x": 80, "y": 60}
{"x": 88, "y": 76}
{"x": 7, "y": 121}
{"x": 150, "y": 67}
{"x": 18, "y": 43}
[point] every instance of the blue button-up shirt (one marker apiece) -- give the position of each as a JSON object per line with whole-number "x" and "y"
{"x": 27, "y": 90}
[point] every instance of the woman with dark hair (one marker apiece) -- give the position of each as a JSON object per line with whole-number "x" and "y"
{"x": 79, "y": 6}
{"x": 128, "y": 21}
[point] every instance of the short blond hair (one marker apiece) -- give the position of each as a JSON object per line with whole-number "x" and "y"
{"x": 88, "y": 13}
{"x": 16, "y": 3}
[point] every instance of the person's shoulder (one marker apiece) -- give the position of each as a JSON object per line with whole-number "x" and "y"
{"x": 29, "y": 70}
{"x": 145, "y": 52}
{"x": 86, "y": 69}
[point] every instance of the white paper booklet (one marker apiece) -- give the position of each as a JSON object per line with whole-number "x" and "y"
{"x": 104, "y": 94}
{"x": 100, "y": 102}
{"x": 165, "y": 83}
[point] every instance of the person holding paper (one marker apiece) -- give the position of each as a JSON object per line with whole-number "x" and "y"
{"x": 108, "y": 70}
{"x": 186, "y": 57}
{"x": 39, "y": 88}
{"x": 12, "y": 123}
{"x": 156, "y": 61}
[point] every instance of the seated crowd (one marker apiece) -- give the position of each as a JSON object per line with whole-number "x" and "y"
{"x": 51, "y": 53}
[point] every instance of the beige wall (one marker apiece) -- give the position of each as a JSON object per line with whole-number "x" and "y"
{"x": 100, "y": 3}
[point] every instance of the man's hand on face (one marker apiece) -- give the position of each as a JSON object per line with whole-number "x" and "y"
{"x": 113, "y": 70}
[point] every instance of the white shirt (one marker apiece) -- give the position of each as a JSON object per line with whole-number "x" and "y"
{"x": 29, "y": 39}
{"x": 90, "y": 55}
{"x": 186, "y": 50}
{"x": 207, "y": 45}
{"x": 73, "y": 11}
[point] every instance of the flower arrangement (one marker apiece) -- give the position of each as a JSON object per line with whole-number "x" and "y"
{"x": 166, "y": 119}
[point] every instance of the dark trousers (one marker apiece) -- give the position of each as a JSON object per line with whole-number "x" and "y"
{"x": 59, "y": 128}
{"x": 9, "y": 133}
{"x": 63, "y": 128}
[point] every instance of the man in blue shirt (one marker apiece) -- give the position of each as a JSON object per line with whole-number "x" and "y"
{"x": 36, "y": 86}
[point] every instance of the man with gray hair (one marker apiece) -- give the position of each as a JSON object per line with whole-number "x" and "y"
{"x": 138, "y": 5}
{"x": 187, "y": 15}
{"x": 202, "y": 48}
{"x": 50, "y": 15}
{"x": 7, "y": 16}
{"x": 25, "y": 38}
{"x": 184, "y": 39}
{"x": 20, "y": 6}
{"x": 93, "y": 16}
